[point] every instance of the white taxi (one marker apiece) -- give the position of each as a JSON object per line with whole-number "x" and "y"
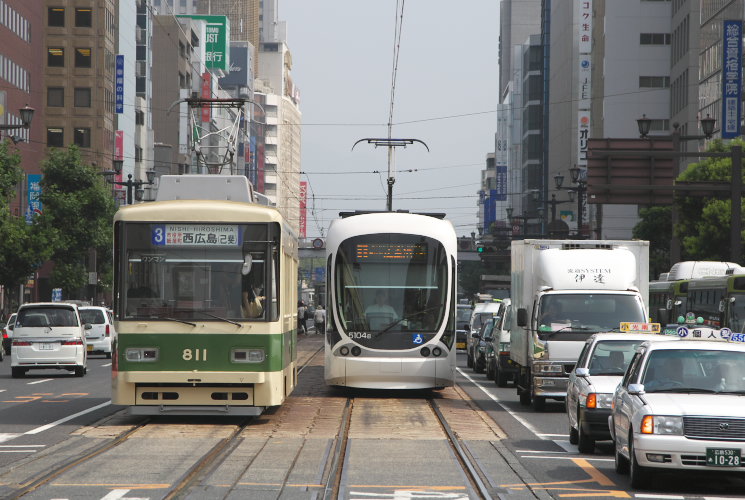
{"x": 599, "y": 369}
{"x": 681, "y": 406}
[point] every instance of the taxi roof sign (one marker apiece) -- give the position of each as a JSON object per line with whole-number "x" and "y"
{"x": 634, "y": 327}
{"x": 711, "y": 334}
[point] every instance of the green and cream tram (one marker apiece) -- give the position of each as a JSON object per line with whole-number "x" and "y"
{"x": 391, "y": 291}
{"x": 205, "y": 294}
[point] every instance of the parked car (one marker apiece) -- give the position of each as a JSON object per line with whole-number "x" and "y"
{"x": 8, "y": 333}
{"x": 48, "y": 335}
{"x": 482, "y": 312}
{"x": 462, "y": 325}
{"x": 680, "y": 407}
{"x": 499, "y": 366}
{"x": 98, "y": 338}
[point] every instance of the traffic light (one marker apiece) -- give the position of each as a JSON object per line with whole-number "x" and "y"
{"x": 480, "y": 248}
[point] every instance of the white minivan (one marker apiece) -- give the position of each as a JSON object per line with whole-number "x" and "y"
{"x": 48, "y": 335}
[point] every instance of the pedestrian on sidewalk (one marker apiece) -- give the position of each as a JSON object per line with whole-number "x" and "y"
{"x": 302, "y": 314}
{"x": 319, "y": 318}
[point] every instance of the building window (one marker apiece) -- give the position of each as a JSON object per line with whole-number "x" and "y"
{"x": 55, "y": 137}
{"x": 56, "y": 16}
{"x": 56, "y": 57}
{"x": 83, "y": 137}
{"x": 83, "y": 97}
{"x": 83, "y": 57}
{"x": 654, "y": 82}
{"x": 55, "y": 97}
{"x": 654, "y": 38}
{"x": 83, "y": 17}
{"x": 138, "y": 154}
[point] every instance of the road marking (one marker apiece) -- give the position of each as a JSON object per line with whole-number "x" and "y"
{"x": 63, "y": 420}
{"x": 119, "y": 495}
{"x": 408, "y": 494}
{"x": 107, "y": 364}
{"x": 555, "y": 435}
{"x": 3, "y": 390}
{"x": 22, "y": 445}
{"x": 17, "y": 451}
{"x": 595, "y": 474}
{"x": 7, "y": 436}
{"x": 538, "y": 451}
{"x": 40, "y": 381}
{"x": 666, "y": 497}
{"x": 568, "y": 458}
{"x": 566, "y": 445}
{"x": 514, "y": 415}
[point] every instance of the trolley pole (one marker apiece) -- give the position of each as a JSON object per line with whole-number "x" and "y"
{"x": 390, "y": 144}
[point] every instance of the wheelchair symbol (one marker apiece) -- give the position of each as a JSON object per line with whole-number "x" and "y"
{"x": 418, "y": 339}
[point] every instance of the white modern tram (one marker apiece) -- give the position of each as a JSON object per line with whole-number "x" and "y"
{"x": 391, "y": 289}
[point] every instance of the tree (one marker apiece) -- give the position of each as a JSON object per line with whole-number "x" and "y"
{"x": 78, "y": 213}
{"x": 704, "y": 227}
{"x": 469, "y": 275}
{"x": 656, "y": 226}
{"x": 23, "y": 247}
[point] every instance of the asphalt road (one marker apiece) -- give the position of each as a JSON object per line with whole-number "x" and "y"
{"x": 540, "y": 441}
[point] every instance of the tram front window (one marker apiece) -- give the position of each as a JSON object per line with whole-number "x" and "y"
{"x": 197, "y": 272}
{"x": 391, "y": 289}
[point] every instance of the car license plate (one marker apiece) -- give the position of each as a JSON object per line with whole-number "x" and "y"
{"x": 90, "y": 347}
{"x": 460, "y": 345}
{"x": 46, "y": 347}
{"x": 723, "y": 457}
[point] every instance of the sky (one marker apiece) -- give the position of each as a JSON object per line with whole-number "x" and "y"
{"x": 446, "y": 95}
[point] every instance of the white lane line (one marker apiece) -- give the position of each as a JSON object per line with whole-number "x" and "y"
{"x": 539, "y": 451}
{"x": 566, "y": 445}
{"x": 3, "y": 390}
{"x": 514, "y": 415}
{"x": 40, "y": 381}
{"x": 555, "y": 435}
{"x": 109, "y": 364}
{"x": 7, "y": 436}
{"x": 63, "y": 420}
{"x": 22, "y": 445}
{"x": 17, "y": 451}
{"x": 589, "y": 459}
{"x": 648, "y": 495}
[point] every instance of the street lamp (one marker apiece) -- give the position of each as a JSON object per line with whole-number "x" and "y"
{"x": 735, "y": 187}
{"x": 580, "y": 189}
{"x": 27, "y": 114}
{"x": 130, "y": 184}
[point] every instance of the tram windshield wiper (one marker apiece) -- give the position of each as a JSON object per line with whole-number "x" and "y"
{"x": 176, "y": 320}
{"x": 404, "y": 318}
{"x": 219, "y": 317}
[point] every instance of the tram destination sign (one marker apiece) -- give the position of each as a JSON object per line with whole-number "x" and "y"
{"x": 378, "y": 252}
{"x": 195, "y": 235}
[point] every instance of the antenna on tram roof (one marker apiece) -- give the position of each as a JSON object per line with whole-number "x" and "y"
{"x": 390, "y": 143}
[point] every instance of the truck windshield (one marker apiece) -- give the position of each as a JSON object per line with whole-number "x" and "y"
{"x": 588, "y": 312}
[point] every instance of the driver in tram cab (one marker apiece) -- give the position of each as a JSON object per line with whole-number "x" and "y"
{"x": 380, "y": 313}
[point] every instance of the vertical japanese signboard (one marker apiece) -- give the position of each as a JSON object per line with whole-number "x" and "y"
{"x": 206, "y": 94}
{"x": 119, "y": 84}
{"x": 303, "y": 207}
{"x": 731, "y": 78}
{"x": 33, "y": 195}
{"x": 585, "y": 81}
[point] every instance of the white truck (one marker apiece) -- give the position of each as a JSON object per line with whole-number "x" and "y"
{"x": 563, "y": 291}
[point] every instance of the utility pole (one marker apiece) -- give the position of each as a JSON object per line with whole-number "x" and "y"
{"x": 390, "y": 144}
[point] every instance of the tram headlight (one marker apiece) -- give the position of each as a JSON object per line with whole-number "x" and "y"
{"x": 344, "y": 350}
{"x": 247, "y": 355}
{"x": 142, "y": 354}
{"x": 436, "y": 351}
{"x": 424, "y": 351}
{"x": 356, "y": 351}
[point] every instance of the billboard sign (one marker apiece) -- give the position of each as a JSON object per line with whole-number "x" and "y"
{"x": 584, "y": 31}
{"x": 303, "y": 207}
{"x": 583, "y": 134}
{"x": 501, "y": 183}
{"x": 119, "y": 83}
{"x": 731, "y": 78}
{"x": 585, "y": 82}
{"x": 216, "y": 43}
{"x": 33, "y": 197}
